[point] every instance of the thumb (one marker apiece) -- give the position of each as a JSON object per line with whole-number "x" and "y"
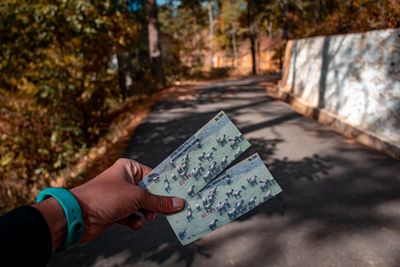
{"x": 161, "y": 204}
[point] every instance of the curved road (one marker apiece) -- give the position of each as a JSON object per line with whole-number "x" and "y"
{"x": 340, "y": 204}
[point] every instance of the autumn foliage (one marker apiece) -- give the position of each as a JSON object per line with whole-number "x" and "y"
{"x": 64, "y": 63}
{"x": 55, "y": 86}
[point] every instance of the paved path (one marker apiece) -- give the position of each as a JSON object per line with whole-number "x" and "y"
{"x": 340, "y": 205}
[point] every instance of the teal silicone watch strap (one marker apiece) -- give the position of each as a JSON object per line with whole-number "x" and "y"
{"x": 72, "y": 212}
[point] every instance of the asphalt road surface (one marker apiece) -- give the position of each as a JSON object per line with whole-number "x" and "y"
{"x": 340, "y": 204}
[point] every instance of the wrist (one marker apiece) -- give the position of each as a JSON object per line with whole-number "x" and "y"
{"x": 89, "y": 217}
{"x": 56, "y": 220}
{"x": 80, "y": 197}
{"x": 71, "y": 224}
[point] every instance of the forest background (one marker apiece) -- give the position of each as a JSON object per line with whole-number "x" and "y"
{"x": 70, "y": 68}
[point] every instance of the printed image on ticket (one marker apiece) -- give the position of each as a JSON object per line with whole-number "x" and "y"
{"x": 197, "y": 161}
{"x": 235, "y": 192}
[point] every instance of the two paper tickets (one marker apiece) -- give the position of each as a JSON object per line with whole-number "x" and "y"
{"x": 197, "y": 171}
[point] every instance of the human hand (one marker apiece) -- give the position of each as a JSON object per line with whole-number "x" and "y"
{"x": 114, "y": 197}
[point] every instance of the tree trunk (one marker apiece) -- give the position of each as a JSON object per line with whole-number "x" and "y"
{"x": 211, "y": 35}
{"x": 252, "y": 38}
{"x": 320, "y": 10}
{"x": 269, "y": 28}
{"x": 284, "y": 34}
{"x": 350, "y": 14}
{"x": 234, "y": 45}
{"x": 124, "y": 73}
{"x": 154, "y": 42}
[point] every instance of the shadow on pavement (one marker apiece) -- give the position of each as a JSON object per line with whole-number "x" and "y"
{"x": 331, "y": 189}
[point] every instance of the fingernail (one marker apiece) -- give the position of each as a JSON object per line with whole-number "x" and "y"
{"x": 178, "y": 202}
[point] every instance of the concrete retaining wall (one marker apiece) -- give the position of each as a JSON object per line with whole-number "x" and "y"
{"x": 355, "y": 78}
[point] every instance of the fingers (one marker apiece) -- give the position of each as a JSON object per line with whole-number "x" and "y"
{"x": 133, "y": 170}
{"x": 133, "y": 221}
{"x": 160, "y": 204}
{"x": 139, "y": 170}
{"x": 148, "y": 214}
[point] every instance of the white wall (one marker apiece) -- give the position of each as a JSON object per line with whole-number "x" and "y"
{"x": 354, "y": 76}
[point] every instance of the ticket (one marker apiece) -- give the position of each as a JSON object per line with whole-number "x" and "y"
{"x": 198, "y": 160}
{"x": 233, "y": 193}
